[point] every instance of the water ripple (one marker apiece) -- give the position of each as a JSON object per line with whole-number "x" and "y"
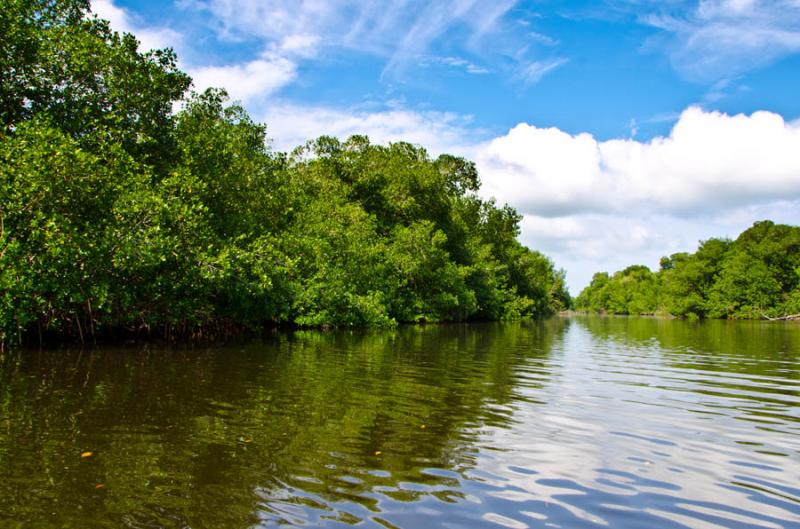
{"x": 584, "y": 423}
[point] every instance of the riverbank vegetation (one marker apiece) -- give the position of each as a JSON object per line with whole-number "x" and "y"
{"x": 755, "y": 276}
{"x": 118, "y": 213}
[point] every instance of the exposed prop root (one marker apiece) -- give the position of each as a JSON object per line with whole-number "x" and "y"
{"x": 782, "y": 318}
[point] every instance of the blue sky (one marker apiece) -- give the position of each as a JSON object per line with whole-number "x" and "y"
{"x": 623, "y": 130}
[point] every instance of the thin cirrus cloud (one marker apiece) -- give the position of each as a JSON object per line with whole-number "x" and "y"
{"x": 724, "y": 38}
{"x": 393, "y": 28}
{"x": 402, "y": 32}
{"x": 289, "y": 32}
{"x": 291, "y": 125}
{"x": 431, "y": 23}
{"x": 710, "y": 161}
{"x": 461, "y": 63}
{"x": 533, "y": 72}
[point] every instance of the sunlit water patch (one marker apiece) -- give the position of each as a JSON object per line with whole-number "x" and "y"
{"x": 570, "y": 423}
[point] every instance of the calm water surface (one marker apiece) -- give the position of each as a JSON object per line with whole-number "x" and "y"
{"x": 570, "y": 423}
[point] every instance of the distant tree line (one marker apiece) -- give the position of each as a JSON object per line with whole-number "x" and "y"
{"x": 755, "y": 276}
{"x": 118, "y": 213}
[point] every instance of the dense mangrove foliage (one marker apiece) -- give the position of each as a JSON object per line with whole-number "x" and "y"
{"x": 755, "y": 276}
{"x": 129, "y": 203}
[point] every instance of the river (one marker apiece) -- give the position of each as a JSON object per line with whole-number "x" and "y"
{"x": 581, "y": 422}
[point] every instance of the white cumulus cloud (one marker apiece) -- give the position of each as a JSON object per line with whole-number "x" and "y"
{"x": 121, "y": 20}
{"x": 602, "y": 205}
{"x": 599, "y": 205}
{"x": 709, "y": 162}
{"x": 247, "y": 81}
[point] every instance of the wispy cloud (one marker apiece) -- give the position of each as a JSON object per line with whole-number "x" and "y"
{"x": 461, "y": 64}
{"x": 541, "y": 38}
{"x": 403, "y": 32}
{"x": 662, "y": 117}
{"x": 720, "y": 39}
{"x": 397, "y": 29}
{"x": 292, "y": 124}
{"x": 533, "y": 72}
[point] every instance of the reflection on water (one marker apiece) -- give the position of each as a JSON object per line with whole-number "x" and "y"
{"x": 587, "y": 422}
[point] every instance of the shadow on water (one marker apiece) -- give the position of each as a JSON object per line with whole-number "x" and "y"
{"x": 300, "y": 428}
